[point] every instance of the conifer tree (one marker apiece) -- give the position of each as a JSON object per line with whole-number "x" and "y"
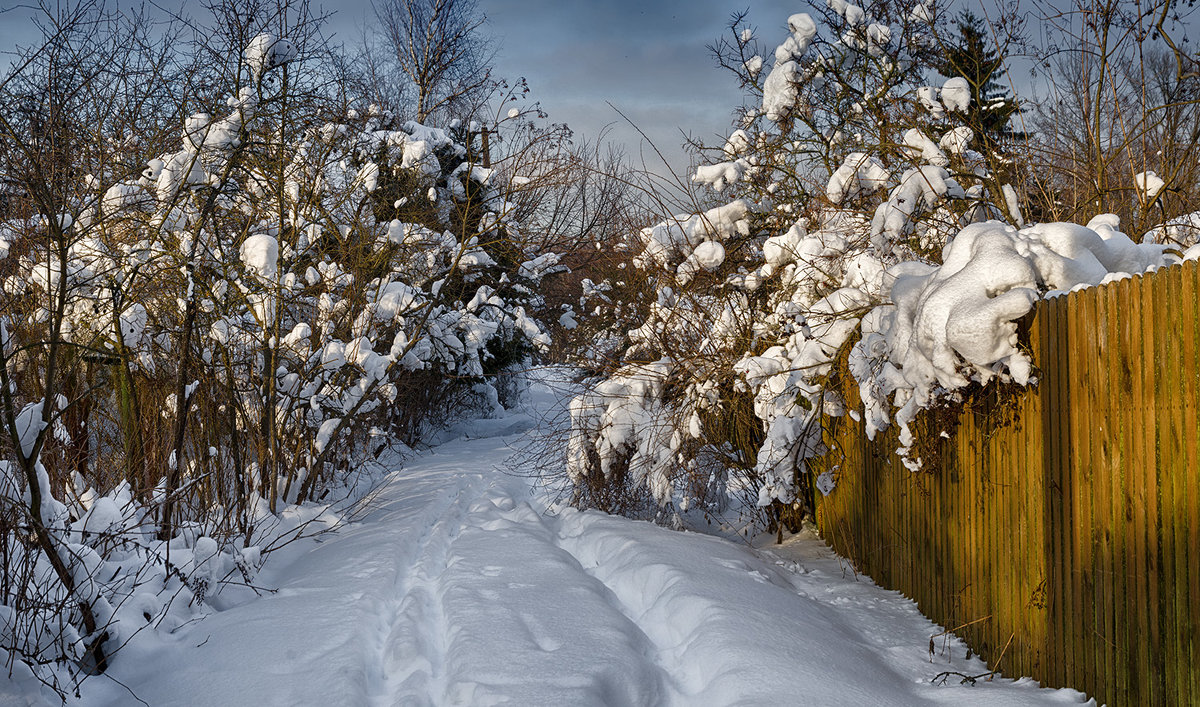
{"x": 974, "y": 57}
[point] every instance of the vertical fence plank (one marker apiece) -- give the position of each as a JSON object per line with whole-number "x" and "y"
{"x": 978, "y": 578}
{"x": 1038, "y": 505}
{"x": 1078, "y": 525}
{"x": 1017, "y": 564}
{"x": 1128, "y": 512}
{"x": 1053, "y": 495}
{"x": 1058, "y": 497}
{"x": 1175, "y": 492}
{"x": 1150, "y": 480}
{"x": 1135, "y": 663}
{"x": 1163, "y": 489}
{"x": 1166, "y": 492}
{"x": 1190, "y": 337}
{"x": 1106, "y": 445}
{"x": 1142, "y": 468}
{"x": 986, "y": 461}
{"x": 1114, "y": 404}
{"x": 1065, "y": 535}
{"x": 1085, "y": 489}
{"x": 1096, "y": 497}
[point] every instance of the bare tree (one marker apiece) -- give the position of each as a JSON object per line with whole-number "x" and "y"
{"x": 437, "y": 47}
{"x": 1115, "y": 107}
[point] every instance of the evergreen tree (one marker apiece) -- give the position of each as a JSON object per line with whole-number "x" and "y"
{"x": 974, "y": 57}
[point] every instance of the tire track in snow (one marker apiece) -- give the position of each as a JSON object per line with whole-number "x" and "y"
{"x": 409, "y": 655}
{"x": 528, "y": 620}
{"x": 673, "y": 676}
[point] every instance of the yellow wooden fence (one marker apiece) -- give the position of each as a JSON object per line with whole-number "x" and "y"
{"x": 1058, "y": 524}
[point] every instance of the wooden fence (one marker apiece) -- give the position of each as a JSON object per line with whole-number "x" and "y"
{"x": 1062, "y": 519}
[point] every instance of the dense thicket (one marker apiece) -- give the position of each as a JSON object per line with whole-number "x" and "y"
{"x": 228, "y": 282}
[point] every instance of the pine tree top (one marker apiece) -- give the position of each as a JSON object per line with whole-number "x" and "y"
{"x": 974, "y": 56}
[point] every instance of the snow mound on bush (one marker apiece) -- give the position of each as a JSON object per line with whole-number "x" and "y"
{"x": 954, "y": 323}
{"x": 956, "y": 94}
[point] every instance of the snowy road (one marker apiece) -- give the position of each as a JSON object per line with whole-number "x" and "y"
{"x": 458, "y": 589}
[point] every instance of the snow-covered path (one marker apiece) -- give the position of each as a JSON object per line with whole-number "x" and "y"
{"x": 458, "y": 589}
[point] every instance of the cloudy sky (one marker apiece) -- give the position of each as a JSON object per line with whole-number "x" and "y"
{"x": 646, "y": 57}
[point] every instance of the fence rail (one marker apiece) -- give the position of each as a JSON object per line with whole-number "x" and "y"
{"x": 1065, "y": 515}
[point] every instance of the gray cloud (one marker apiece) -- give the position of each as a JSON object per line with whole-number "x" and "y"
{"x": 649, "y": 59}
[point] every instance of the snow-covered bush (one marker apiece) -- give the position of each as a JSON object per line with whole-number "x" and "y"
{"x": 829, "y": 176}
{"x": 851, "y": 231}
{"x": 196, "y": 341}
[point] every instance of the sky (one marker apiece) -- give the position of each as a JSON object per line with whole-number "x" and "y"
{"x": 647, "y": 58}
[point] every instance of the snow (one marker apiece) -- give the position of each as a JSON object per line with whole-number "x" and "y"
{"x": 957, "y": 140}
{"x": 921, "y": 147}
{"x": 738, "y": 143}
{"x": 1179, "y": 232}
{"x": 859, "y": 173}
{"x": 919, "y": 188}
{"x": 802, "y": 27}
{"x": 956, "y": 94}
{"x": 1148, "y": 185}
{"x": 930, "y": 98}
{"x": 266, "y": 51}
{"x": 459, "y": 586}
{"x": 956, "y": 322}
{"x": 29, "y": 424}
{"x": 721, "y": 174}
{"x": 922, "y": 12}
{"x": 133, "y": 323}
{"x": 851, "y": 13}
{"x": 368, "y": 176}
{"x": 754, "y": 66}
{"x": 260, "y": 254}
{"x": 780, "y": 90}
{"x": 677, "y": 237}
{"x": 709, "y": 255}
